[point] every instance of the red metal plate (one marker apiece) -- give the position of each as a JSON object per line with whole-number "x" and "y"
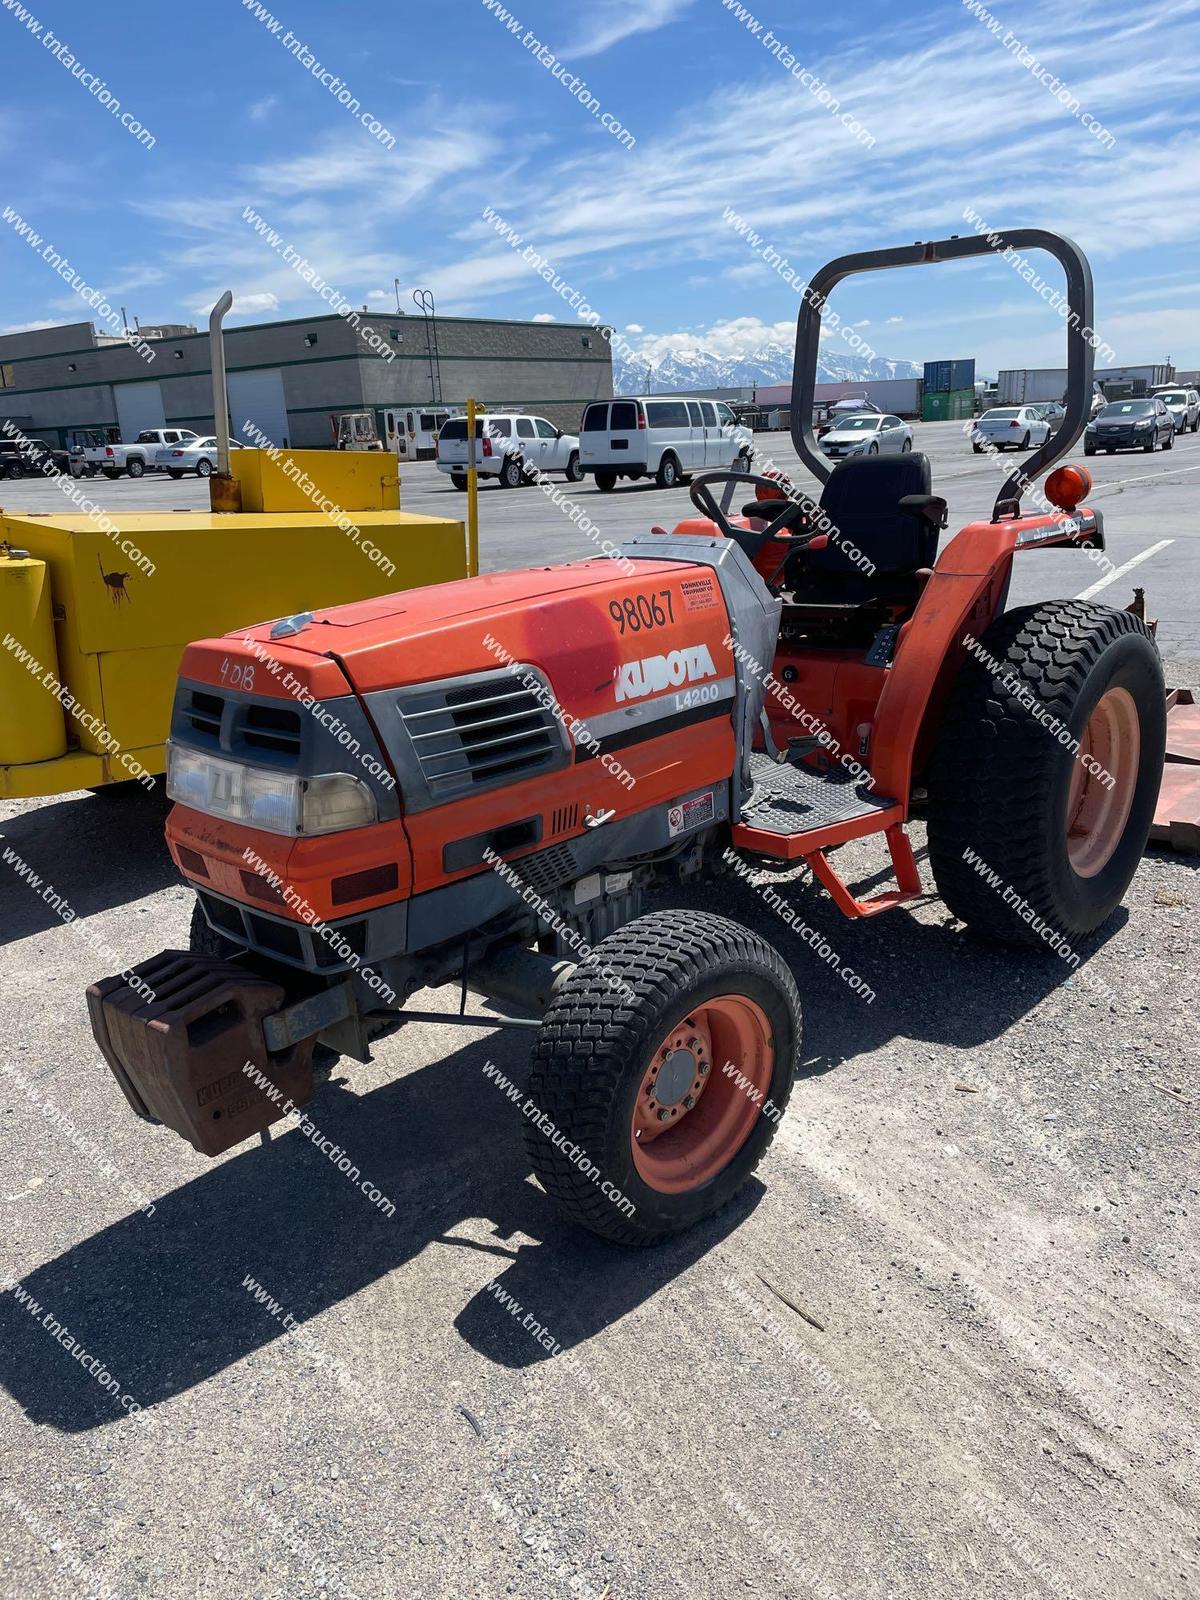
{"x": 1177, "y": 817}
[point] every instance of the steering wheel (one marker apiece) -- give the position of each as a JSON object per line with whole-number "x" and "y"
{"x": 792, "y": 512}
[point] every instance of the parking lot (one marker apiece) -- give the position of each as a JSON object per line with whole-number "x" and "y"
{"x": 942, "y": 1345}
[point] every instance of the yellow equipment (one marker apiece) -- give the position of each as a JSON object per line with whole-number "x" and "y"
{"x": 95, "y": 609}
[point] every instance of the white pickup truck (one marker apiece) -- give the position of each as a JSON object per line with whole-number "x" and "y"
{"x": 135, "y": 459}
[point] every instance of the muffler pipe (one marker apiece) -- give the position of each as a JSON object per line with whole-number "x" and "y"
{"x": 216, "y": 347}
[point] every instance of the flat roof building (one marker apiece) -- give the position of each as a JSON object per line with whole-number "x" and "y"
{"x": 290, "y": 379}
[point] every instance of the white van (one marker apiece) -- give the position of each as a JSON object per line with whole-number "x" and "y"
{"x": 666, "y": 437}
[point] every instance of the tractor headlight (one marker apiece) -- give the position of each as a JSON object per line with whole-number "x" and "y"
{"x": 277, "y": 802}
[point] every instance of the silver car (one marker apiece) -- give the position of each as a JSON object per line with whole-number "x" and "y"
{"x": 1005, "y": 427}
{"x": 867, "y": 434}
{"x": 191, "y": 455}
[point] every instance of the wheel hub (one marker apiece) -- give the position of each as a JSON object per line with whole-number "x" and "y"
{"x": 689, "y": 1120}
{"x": 675, "y": 1077}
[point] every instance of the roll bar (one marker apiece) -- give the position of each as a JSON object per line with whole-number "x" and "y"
{"x": 1081, "y": 359}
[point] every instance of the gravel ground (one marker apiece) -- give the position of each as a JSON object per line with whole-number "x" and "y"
{"x": 942, "y": 1345}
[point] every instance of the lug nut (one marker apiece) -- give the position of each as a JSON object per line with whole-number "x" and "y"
{"x": 703, "y": 1069}
{"x": 663, "y": 1115}
{"x": 689, "y": 1101}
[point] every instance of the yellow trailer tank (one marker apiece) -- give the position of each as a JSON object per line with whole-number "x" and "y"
{"x": 31, "y": 716}
{"x": 88, "y": 701}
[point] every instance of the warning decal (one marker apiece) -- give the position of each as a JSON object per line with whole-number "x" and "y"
{"x": 691, "y": 814}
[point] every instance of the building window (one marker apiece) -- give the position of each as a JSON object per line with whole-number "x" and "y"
{"x": 587, "y": 343}
{"x": 179, "y": 355}
{"x": 6, "y": 376}
{"x": 70, "y": 366}
{"x": 310, "y": 339}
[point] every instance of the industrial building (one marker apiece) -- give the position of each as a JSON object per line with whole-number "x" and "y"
{"x": 290, "y": 379}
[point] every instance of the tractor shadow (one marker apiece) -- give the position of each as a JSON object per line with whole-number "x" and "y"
{"x": 93, "y": 851}
{"x": 161, "y": 1300}
{"x": 932, "y": 981}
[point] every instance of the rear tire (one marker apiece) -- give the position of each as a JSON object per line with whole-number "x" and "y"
{"x": 136, "y": 469}
{"x": 511, "y": 474}
{"x": 1062, "y": 845}
{"x": 458, "y": 481}
{"x": 667, "y": 996}
{"x": 606, "y": 479}
{"x": 667, "y": 475}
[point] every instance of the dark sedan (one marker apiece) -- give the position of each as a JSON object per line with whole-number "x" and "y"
{"x": 1130, "y": 425}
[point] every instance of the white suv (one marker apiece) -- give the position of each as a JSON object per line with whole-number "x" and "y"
{"x": 1184, "y": 406}
{"x": 509, "y": 446}
{"x": 665, "y": 437}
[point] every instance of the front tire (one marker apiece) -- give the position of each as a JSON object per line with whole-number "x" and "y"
{"x": 203, "y": 468}
{"x": 206, "y": 941}
{"x": 574, "y": 472}
{"x": 1025, "y": 840}
{"x": 663, "y": 1065}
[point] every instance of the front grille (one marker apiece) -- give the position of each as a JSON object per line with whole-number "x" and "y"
{"x": 204, "y": 714}
{"x": 547, "y": 870}
{"x": 263, "y": 730}
{"x": 270, "y": 727}
{"x": 493, "y": 730}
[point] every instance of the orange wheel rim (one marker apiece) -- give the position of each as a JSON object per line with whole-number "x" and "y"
{"x": 706, "y": 1085}
{"x": 1102, "y": 790}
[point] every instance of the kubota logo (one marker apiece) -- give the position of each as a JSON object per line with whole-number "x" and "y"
{"x": 638, "y": 678}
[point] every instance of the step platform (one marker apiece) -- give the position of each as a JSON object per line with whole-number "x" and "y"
{"x": 796, "y": 813}
{"x": 791, "y": 799}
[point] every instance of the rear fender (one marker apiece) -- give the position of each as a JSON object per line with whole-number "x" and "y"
{"x": 964, "y": 595}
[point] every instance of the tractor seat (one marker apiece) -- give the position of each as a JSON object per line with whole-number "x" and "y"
{"x": 873, "y": 531}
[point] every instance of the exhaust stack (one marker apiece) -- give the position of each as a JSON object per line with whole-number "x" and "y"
{"x": 224, "y": 491}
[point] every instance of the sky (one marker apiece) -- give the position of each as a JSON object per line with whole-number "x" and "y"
{"x": 931, "y": 115}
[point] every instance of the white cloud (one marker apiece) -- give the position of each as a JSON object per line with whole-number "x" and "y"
{"x": 610, "y": 21}
{"x": 260, "y": 110}
{"x": 737, "y": 336}
{"x": 545, "y": 316}
{"x": 895, "y": 319}
{"x": 634, "y": 327}
{"x": 243, "y": 304}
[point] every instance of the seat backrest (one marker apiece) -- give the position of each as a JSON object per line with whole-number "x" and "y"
{"x": 862, "y": 499}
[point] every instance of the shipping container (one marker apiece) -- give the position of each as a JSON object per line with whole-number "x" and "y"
{"x": 953, "y": 406}
{"x": 1026, "y": 386}
{"x": 944, "y": 377}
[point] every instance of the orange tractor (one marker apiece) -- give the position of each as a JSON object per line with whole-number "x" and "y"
{"x": 479, "y": 784}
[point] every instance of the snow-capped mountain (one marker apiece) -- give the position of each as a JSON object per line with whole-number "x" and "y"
{"x": 771, "y": 363}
